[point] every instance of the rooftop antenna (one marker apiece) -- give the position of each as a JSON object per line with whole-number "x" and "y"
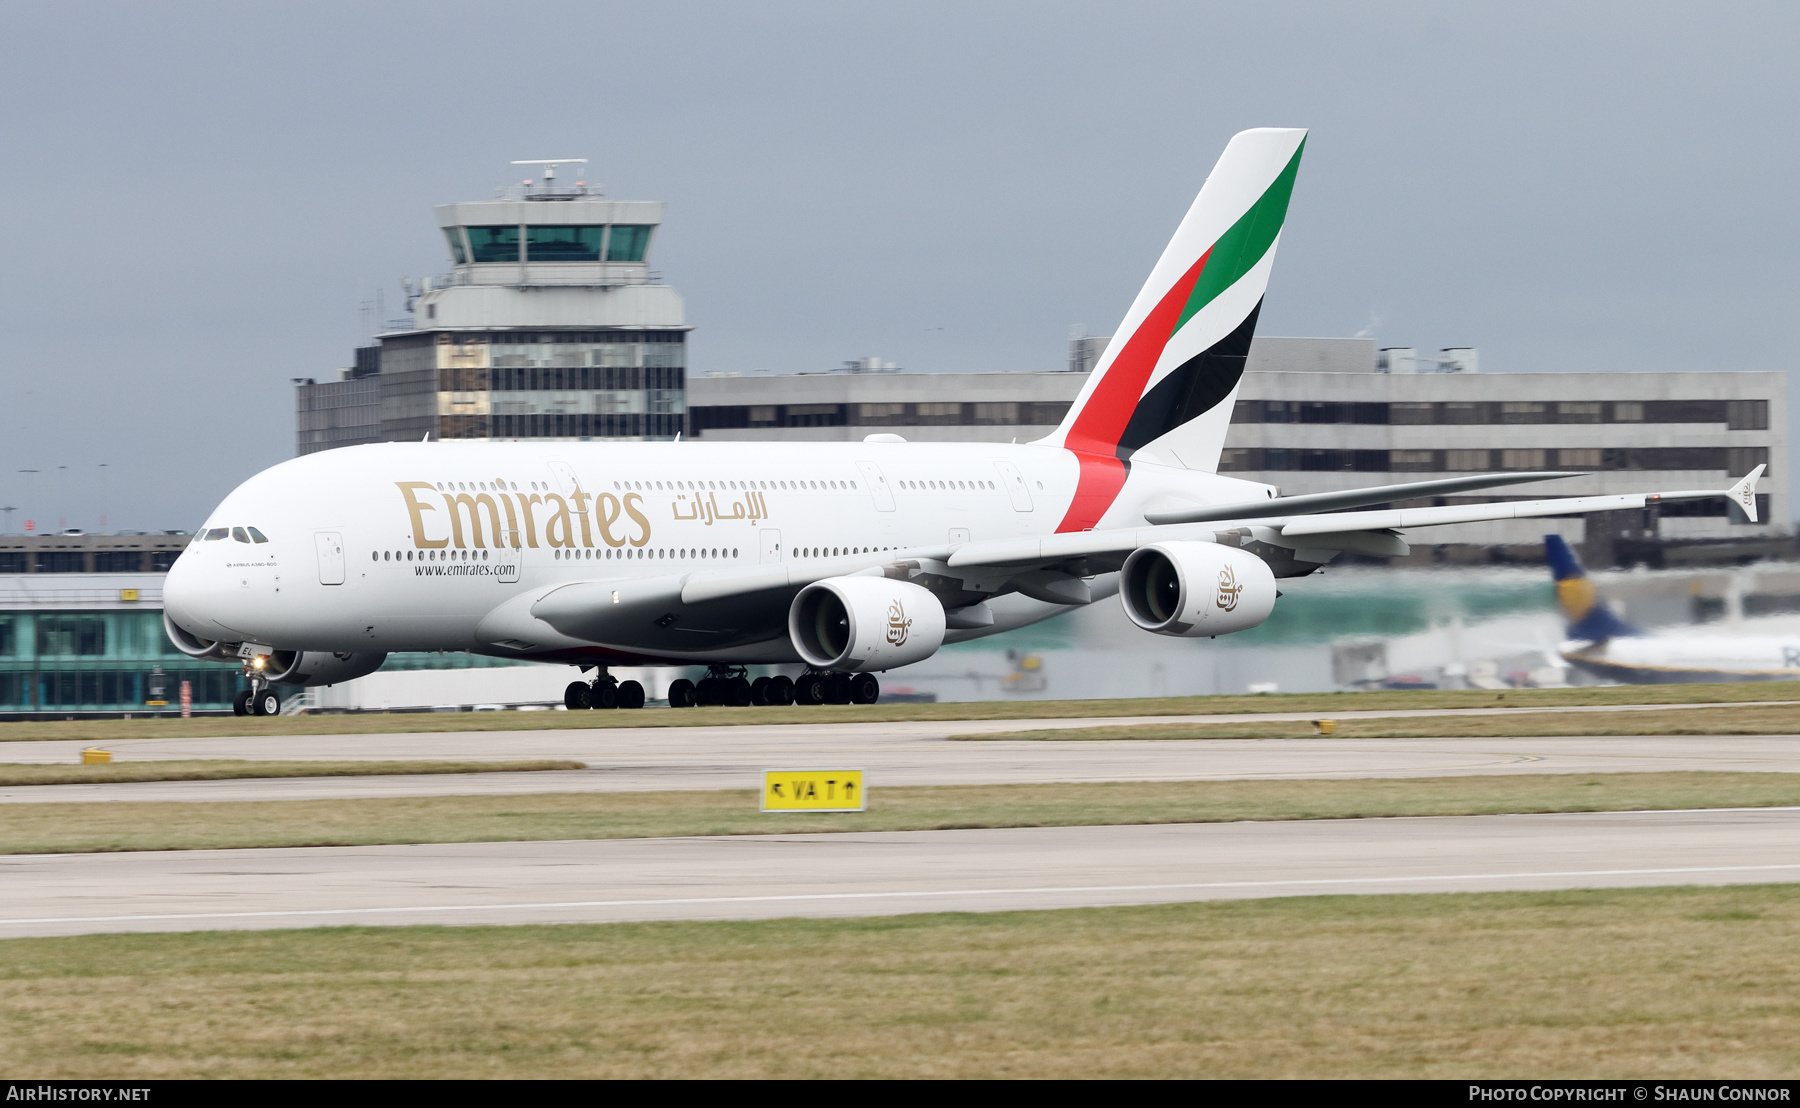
{"x": 550, "y": 165}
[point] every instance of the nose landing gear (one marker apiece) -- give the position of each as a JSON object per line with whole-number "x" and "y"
{"x": 260, "y": 699}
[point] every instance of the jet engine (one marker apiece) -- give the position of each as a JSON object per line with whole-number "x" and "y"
{"x": 194, "y": 646}
{"x": 1196, "y": 589}
{"x": 865, "y": 624}
{"x": 314, "y": 667}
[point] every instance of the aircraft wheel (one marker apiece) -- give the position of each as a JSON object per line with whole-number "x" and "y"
{"x": 265, "y": 703}
{"x": 737, "y": 692}
{"x": 759, "y": 693}
{"x": 603, "y": 695}
{"x": 240, "y": 704}
{"x": 707, "y": 693}
{"x": 837, "y": 689}
{"x": 780, "y": 692}
{"x": 631, "y": 695}
{"x": 575, "y": 697}
{"x": 681, "y": 693}
{"x": 810, "y": 689}
{"x": 865, "y": 688}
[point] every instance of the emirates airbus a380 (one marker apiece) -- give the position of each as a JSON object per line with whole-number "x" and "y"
{"x": 851, "y": 558}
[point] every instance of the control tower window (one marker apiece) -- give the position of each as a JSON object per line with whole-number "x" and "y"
{"x": 493, "y": 244}
{"x": 628, "y": 243}
{"x": 563, "y": 244}
{"x": 457, "y": 253}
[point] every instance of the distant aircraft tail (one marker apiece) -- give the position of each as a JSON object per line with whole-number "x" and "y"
{"x": 1589, "y": 619}
{"x": 1165, "y": 387}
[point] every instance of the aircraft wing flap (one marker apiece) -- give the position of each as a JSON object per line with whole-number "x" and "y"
{"x": 1743, "y": 492}
{"x": 1262, "y": 510}
{"x": 1073, "y": 544}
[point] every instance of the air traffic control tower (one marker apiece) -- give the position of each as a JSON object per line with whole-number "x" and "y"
{"x": 549, "y": 325}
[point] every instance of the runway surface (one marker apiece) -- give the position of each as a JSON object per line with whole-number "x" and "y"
{"x": 658, "y": 758}
{"x": 887, "y": 873}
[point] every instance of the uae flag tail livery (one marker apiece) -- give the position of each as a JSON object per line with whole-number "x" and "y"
{"x": 1163, "y": 391}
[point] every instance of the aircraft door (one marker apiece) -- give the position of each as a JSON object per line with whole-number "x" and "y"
{"x": 1015, "y": 486}
{"x": 878, "y": 486}
{"x": 567, "y": 484}
{"x": 771, "y": 546}
{"x": 330, "y": 546}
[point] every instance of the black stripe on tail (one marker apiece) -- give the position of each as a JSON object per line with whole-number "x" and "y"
{"x": 1195, "y": 387}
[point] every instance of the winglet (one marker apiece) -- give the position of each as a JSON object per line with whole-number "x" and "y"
{"x": 1743, "y": 494}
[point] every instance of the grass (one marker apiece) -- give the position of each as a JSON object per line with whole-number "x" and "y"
{"x": 15, "y": 773}
{"x": 1747, "y": 720}
{"x": 1623, "y": 983}
{"x": 115, "y": 730}
{"x": 84, "y": 827}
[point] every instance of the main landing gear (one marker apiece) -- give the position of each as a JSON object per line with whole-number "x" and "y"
{"x": 728, "y": 686}
{"x": 604, "y": 691}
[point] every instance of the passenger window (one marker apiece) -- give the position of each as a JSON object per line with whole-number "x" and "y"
{"x": 256, "y": 535}
{"x": 216, "y": 534}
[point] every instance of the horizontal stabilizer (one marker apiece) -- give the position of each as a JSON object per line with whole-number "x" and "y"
{"x": 1349, "y": 498}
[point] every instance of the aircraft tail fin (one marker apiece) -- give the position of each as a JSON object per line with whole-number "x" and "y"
{"x": 1165, "y": 387}
{"x": 1588, "y": 619}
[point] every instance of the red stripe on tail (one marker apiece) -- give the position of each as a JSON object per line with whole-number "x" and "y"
{"x": 1102, "y": 421}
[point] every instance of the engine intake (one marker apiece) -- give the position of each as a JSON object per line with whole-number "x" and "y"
{"x": 865, "y": 624}
{"x": 193, "y": 645}
{"x": 314, "y": 667}
{"x": 1196, "y": 589}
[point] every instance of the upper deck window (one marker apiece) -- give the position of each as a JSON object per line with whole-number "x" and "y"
{"x": 493, "y": 244}
{"x": 563, "y": 244}
{"x": 628, "y": 242}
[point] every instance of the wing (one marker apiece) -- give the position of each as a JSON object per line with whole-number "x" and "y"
{"x": 660, "y": 613}
{"x": 1335, "y": 530}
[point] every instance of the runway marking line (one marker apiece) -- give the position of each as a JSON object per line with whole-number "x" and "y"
{"x": 816, "y": 897}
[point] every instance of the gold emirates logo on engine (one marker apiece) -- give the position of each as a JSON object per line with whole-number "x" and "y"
{"x": 898, "y": 625}
{"x": 1229, "y": 590}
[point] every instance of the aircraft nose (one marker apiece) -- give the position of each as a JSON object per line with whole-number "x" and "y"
{"x": 190, "y": 598}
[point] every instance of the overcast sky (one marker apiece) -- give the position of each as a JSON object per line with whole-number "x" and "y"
{"x": 199, "y": 199}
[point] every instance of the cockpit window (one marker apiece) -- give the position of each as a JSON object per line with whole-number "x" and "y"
{"x": 215, "y": 534}
{"x": 257, "y": 535}
{"x": 238, "y": 534}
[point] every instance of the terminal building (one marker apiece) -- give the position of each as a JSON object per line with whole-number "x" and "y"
{"x": 550, "y": 324}
{"x": 1317, "y": 415}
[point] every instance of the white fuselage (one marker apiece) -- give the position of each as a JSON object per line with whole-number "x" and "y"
{"x": 1669, "y": 659}
{"x": 443, "y": 546}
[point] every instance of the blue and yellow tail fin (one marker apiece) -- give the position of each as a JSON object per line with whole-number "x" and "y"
{"x": 1589, "y": 619}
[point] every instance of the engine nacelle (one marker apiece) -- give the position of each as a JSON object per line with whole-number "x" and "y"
{"x": 1196, "y": 589}
{"x": 865, "y": 624}
{"x": 314, "y": 667}
{"x": 193, "y": 645}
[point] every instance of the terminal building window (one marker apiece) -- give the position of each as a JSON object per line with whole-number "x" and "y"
{"x": 1737, "y": 415}
{"x": 70, "y": 635}
{"x": 563, "y": 244}
{"x": 1733, "y": 460}
{"x": 493, "y": 244}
